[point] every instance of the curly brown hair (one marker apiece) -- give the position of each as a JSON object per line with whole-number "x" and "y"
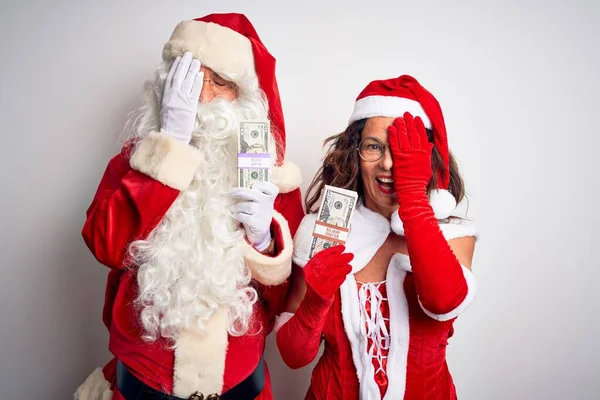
{"x": 341, "y": 167}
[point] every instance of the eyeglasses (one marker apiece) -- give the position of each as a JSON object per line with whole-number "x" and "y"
{"x": 219, "y": 86}
{"x": 371, "y": 149}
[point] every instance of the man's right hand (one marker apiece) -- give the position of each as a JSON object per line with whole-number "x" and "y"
{"x": 326, "y": 271}
{"x": 180, "y": 98}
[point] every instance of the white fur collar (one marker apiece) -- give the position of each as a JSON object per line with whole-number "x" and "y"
{"x": 368, "y": 231}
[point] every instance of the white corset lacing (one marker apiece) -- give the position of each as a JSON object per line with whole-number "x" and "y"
{"x": 373, "y": 326}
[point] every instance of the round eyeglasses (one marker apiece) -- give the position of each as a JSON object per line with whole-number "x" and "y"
{"x": 219, "y": 86}
{"x": 371, "y": 149}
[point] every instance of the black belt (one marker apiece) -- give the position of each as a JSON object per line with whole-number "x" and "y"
{"x": 132, "y": 388}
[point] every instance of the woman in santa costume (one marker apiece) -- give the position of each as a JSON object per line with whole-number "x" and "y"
{"x": 198, "y": 266}
{"x": 384, "y": 303}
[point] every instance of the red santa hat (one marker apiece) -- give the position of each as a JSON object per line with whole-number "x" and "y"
{"x": 228, "y": 43}
{"x": 396, "y": 96}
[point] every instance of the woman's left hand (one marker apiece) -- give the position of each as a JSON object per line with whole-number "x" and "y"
{"x": 411, "y": 155}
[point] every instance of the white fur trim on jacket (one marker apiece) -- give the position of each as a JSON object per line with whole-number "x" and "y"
{"x": 269, "y": 270}
{"x": 399, "y": 336}
{"x": 453, "y": 222}
{"x": 452, "y": 228}
{"x": 303, "y": 240}
{"x": 456, "y": 228}
{"x": 387, "y": 106}
{"x": 282, "y": 320}
{"x": 200, "y": 358}
{"x": 167, "y": 160}
{"x": 287, "y": 177}
{"x": 95, "y": 387}
{"x": 217, "y": 47}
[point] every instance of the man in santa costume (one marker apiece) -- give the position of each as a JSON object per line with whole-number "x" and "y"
{"x": 198, "y": 267}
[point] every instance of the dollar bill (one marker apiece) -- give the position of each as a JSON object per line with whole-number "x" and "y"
{"x": 256, "y": 151}
{"x": 333, "y": 221}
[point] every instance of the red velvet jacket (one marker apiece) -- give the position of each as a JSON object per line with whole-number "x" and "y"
{"x": 132, "y": 198}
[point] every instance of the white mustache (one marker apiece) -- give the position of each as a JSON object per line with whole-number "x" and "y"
{"x": 217, "y": 120}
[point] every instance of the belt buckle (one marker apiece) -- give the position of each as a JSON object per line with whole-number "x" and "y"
{"x": 199, "y": 396}
{"x": 196, "y": 396}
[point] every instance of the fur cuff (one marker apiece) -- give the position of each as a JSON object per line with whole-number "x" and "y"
{"x": 200, "y": 358}
{"x": 282, "y": 320}
{"x": 287, "y": 177}
{"x": 95, "y": 387}
{"x": 167, "y": 160}
{"x": 303, "y": 240}
{"x": 272, "y": 271}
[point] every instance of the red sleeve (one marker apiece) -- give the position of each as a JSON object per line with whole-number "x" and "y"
{"x": 289, "y": 205}
{"x": 128, "y": 204}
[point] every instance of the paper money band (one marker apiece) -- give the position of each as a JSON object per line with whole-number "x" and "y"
{"x": 331, "y": 232}
{"x": 254, "y": 161}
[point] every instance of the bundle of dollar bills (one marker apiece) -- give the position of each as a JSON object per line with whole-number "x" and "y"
{"x": 256, "y": 151}
{"x": 333, "y": 221}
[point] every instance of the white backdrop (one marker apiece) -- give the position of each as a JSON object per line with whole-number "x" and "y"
{"x": 517, "y": 80}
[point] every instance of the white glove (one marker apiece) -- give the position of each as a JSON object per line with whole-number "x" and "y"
{"x": 180, "y": 98}
{"x": 255, "y": 212}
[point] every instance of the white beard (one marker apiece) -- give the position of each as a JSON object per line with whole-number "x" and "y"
{"x": 192, "y": 263}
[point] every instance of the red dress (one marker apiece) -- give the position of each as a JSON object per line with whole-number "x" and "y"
{"x": 427, "y": 375}
{"x": 380, "y": 342}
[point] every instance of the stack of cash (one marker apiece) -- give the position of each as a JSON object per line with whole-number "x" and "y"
{"x": 333, "y": 221}
{"x": 256, "y": 150}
